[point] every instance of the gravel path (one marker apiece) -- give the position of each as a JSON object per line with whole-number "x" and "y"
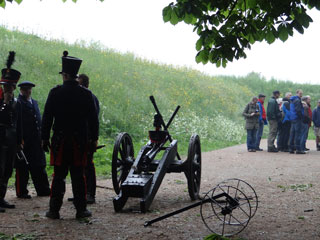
{"x": 281, "y": 213}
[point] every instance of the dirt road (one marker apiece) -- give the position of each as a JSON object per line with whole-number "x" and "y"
{"x": 278, "y": 179}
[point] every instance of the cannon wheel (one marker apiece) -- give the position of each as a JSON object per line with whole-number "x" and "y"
{"x": 194, "y": 167}
{"x": 122, "y": 160}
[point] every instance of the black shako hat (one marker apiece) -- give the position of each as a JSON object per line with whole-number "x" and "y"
{"x": 26, "y": 84}
{"x": 9, "y": 75}
{"x": 70, "y": 65}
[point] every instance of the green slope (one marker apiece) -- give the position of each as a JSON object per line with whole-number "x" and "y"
{"x": 210, "y": 106}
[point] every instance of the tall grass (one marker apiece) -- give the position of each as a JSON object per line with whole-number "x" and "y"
{"x": 210, "y": 106}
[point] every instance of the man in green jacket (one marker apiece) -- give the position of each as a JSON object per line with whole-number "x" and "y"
{"x": 273, "y": 116}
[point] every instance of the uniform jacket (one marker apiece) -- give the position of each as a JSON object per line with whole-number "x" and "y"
{"x": 252, "y": 122}
{"x": 10, "y": 123}
{"x": 70, "y": 111}
{"x": 31, "y": 125}
{"x": 273, "y": 111}
{"x": 296, "y": 108}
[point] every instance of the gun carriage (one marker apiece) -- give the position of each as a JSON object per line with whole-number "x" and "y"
{"x": 141, "y": 177}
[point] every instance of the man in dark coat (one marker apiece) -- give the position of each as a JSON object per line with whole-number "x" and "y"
{"x": 284, "y": 130}
{"x": 274, "y": 117}
{"x": 90, "y": 170}
{"x": 70, "y": 111}
{"x": 36, "y": 160}
{"x": 10, "y": 128}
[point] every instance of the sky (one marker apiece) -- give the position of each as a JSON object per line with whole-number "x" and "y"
{"x": 137, "y": 26}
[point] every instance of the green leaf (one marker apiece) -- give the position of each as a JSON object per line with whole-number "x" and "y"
{"x": 224, "y": 63}
{"x": 199, "y": 44}
{"x": 166, "y": 13}
{"x": 18, "y": 1}
{"x": 188, "y": 18}
{"x": 270, "y": 37}
{"x": 251, "y": 3}
{"x": 198, "y": 58}
{"x": 283, "y": 33}
{"x": 218, "y": 63}
{"x": 174, "y": 17}
{"x": 297, "y": 26}
{"x": 3, "y": 3}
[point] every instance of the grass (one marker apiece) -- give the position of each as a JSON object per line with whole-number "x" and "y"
{"x": 210, "y": 106}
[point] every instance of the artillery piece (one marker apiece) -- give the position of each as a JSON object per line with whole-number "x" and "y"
{"x": 226, "y": 209}
{"x": 141, "y": 177}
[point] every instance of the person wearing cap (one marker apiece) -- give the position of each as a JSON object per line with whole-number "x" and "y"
{"x": 71, "y": 113}
{"x": 36, "y": 160}
{"x": 262, "y": 121}
{"x": 10, "y": 128}
{"x": 316, "y": 124}
{"x": 284, "y": 130}
{"x": 273, "y": 116}
{"x": 296, "y": 117}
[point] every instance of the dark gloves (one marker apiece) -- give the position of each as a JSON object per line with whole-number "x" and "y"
{"x": 46, "y": 145}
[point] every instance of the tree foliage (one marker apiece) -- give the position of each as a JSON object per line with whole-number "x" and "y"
{"x": 227, "y": 28}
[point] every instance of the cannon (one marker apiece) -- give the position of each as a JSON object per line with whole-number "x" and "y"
{"x": 141, "y": 177}
{"x": 225, "y": 210}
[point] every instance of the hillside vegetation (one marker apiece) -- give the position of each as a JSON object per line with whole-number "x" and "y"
{"x": 210, "y": 106}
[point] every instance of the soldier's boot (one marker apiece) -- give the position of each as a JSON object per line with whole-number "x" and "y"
{"x": 53, "y": 214}
{"x": 83, "y": 213}
{"x": 91, "y": 199}
{"x": 2, "y": 210}
{"x": 5, "y": 204}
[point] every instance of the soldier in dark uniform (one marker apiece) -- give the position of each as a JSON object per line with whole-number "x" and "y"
{"x": 10, "y": 128}
{"x": 83, "y": 80}
{"x": 70, "y": 111}
{"x": 36, "y": 160}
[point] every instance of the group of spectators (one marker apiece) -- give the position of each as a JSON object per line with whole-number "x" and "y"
{"x": 289, "y": 119}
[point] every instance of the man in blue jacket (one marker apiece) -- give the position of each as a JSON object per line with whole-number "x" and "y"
{"x": 296, "y": 117}
{"x": 316, "y": 124}
{"x": 36, "y": 160}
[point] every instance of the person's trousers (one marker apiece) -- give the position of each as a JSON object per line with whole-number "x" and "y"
{"x": 304, "y": 135}
{"x": 259, "y": 134}
{"x": 7, "y": 157}
{"x": 39, "y": 178}
{"x": 58, "y": 187}
{"x": 283, "y": 136}
{"x": 251, "y": 138}
{"x": 273, "y": 130}
{"x": 90, "y": 172}
{"x": 295, "y": 135}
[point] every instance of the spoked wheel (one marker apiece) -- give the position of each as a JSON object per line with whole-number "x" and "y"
{"x": 247, "y": 189}
{"x": 227, "y": 212}
{"x": 122, "y": 160}
{"x": 194, "y": 167}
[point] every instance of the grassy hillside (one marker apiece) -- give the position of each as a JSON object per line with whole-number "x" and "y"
{"x": 210, "y": 106}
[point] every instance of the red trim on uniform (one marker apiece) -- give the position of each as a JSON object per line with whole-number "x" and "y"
{"x": 1, "y": 93}
{"x": 51, "y": 185}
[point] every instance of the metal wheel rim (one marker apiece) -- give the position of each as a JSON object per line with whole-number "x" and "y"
{"x": 242, "y": 185}
{"x": 224, "y": 220}
{"x": 194, "y": 165}
{"x": 122, "y": 159}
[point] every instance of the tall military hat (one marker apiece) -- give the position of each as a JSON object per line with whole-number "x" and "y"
{"x": 70, "y": 65}
{"x": 9, "y": 75}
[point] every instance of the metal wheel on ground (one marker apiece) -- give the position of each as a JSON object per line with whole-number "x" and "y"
{"x": 194, "y": 167}
{"x": 122, "y": 160}
{"x": 227, "y": 215}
